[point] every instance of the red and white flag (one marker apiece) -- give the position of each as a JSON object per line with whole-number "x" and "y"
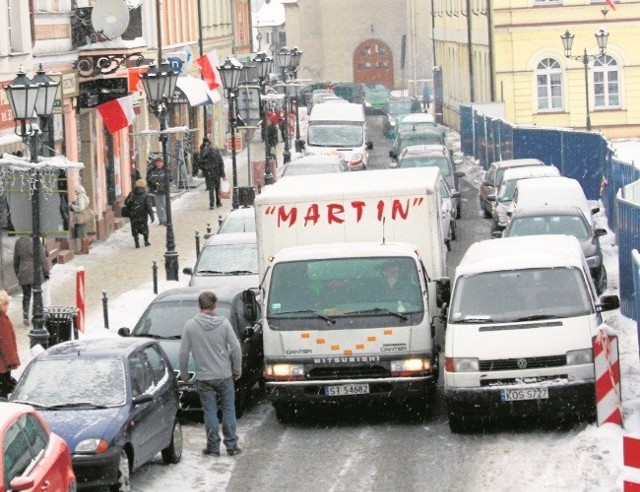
{"x": 117, "y": 114}
{"x": 209, "y": 68}
{"x": 611, "y": 4}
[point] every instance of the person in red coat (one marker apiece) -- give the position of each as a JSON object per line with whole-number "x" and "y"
{"x": 9, "y": 358}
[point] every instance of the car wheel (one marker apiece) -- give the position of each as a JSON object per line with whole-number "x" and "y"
{"x": 173, "y": 452}
{"x": 123, "y": 484}
{"x": 601, "y": 283}
{"x": 241, "y": 401}
{"x": 285, "y": 413}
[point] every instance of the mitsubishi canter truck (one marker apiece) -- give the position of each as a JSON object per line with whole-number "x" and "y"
{"x": 350, "y": 269}
{"x": 521, "y": 318}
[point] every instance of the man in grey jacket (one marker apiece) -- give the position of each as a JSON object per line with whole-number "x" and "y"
{"x": 218, "y": 360}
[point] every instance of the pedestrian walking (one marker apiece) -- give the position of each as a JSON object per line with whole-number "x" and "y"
{"x": 138, "y": 206}
{"x": 282, "y": 123}
{"x": 23, "y": 268}
{"x": 212, "y": 165}
{"x": 9, "y": 358}
{"x": 83, "y": 219}
{"x": 218, "y": 360}
{"x": 272, "y": 136}
{"x": 426, "y": 96}
{"x": 156, "y": 182}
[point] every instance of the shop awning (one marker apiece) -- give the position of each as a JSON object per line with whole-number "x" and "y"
{"x": 195, "y": 92}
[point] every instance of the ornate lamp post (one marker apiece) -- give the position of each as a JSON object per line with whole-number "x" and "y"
{"x": 159, "y": 84}
{"x": 26, "y": 97}
{"x": 230, "y": 72}
{"x": 296, "y": 55}
{"x": 265, "y": 65}
{"x": 602, "y": 37}
{"x": 284, "y": 62}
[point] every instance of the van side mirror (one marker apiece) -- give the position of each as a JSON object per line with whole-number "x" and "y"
{"x": 600, "y": 232}
{"x": 187, "y": 271}
{"x": 608, "y": 303}
{"x": 124, "y": 332}
{"x": 393, "y": 154}
{"x": 595, "y": 209}
{"x": 455, "y": 194}
{"x": 443, "y": 291}
{"x": 250, "y": 306}
{"x": 369, "y": 145}
{"x": 459, "y": 174}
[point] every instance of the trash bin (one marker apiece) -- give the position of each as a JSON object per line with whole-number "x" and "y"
{"x": 61, "y": 323}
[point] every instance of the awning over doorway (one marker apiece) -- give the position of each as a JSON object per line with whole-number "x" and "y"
{"x": 195, "y": 91}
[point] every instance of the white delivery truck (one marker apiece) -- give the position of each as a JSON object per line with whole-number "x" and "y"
{"x": 349, "y": 268}
{"x": 339, "y": 129}
{"x": 522, "y": 314}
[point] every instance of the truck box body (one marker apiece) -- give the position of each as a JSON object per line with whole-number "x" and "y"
{"x": 324, "y": 242}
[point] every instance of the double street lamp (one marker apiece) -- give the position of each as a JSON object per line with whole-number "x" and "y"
{"x": 289, "y": 61}
{"x": 567, "y": 42}
{"x": 230, "y": 73}
{"x": 159, "y": 84}
{"x": 265, "y": 66}
{"x": 27, "y": 97}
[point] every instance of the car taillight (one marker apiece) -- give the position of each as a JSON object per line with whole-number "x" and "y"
{"x": 356, "y": 160}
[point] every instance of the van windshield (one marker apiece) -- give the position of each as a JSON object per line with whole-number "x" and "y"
{"x": 520, "y": 295}
{"x": 379, "y": 287}
{"x": 336, "y": 135}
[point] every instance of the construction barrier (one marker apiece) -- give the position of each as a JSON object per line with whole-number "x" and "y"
{"x": 607, "y": 367}
{"x": 631, "y": 455}
{"x": 80, "y": 298}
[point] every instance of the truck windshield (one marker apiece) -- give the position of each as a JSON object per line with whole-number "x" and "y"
{"x": 520, "y": 295}
{"x": 345, "y": 287}
{"x": 336, "y": 135}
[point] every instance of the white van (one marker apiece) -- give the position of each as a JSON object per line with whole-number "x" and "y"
{"x": 555, "y": 192}
{"x": 339, "y": 129}
{"x": 520, "y": 321}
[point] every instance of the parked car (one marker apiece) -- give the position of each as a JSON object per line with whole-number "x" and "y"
{"x": 448, "y": 212}
{"x": 374, "y": 97}
{"x": 563, "y": 220}
{"x": 238, "y": 220}
{"x": 493, "y": 177}
{"x": 415, "y": 122}
{"x": 393, "y": 110}
{"x": 350, "y": 91}
{"x": 503, "y": 199}
{"x": 33, "y": 457}
{"x": 433, "y": 156}
{"x": 418, "y": 137}
{"x": 113, "y": 400}
{"x": 226, "y": 260}
{"x": 314, "y": 164}
{"x": 318, "y": 96}
{"x": 164, "y": 321}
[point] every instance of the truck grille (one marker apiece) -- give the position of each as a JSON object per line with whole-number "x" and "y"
{"x": 350, "y": 372}
{"x": 516, "y": 364}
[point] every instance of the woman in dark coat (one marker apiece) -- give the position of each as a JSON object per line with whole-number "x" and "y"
{"x": 9, "y": 358}
{"x": 139, "y": 206}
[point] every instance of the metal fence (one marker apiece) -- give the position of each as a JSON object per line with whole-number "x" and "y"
{"x": 584, "y": 156}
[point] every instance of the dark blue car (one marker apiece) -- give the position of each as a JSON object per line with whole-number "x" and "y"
{"x": 114, "y": 401}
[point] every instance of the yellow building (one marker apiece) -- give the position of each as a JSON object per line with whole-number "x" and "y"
{"x": 510, "y": 53}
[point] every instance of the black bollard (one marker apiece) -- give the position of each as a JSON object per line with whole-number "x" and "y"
{"x": 154, "y": 269}
{"x": 209, "y": 232}
{"x": 220, "y": 221}
{"x": 197, "y": 244}
{"x": 105, "y": 309}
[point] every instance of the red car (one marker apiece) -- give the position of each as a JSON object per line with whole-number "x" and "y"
{"x": 33, "y": 458}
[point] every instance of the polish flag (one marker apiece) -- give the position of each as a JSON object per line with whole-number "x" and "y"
{"x": 209, "y": 68}
{"x": 117, "y": 114}
{"x": 611, "y": 4}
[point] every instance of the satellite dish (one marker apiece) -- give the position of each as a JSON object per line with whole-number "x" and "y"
{"x": 110, "y": 18}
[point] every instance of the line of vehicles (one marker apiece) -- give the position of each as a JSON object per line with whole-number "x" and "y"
{"x": 336, "y": 286}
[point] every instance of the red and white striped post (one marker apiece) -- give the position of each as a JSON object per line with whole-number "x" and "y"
{"x": 631, "y": 454}
{"x": 607, "y": 367}
{"x": 80, "y": 297}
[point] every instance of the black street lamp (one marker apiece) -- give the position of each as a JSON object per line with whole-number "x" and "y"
{"x": 230, "y": 72}
{"x": 602, "y": 37}
{"x": 284, "y": 62}
{"x": 159, "y": 84}
{"x": 265, "y": 65}
{"x": 296, "y": 55}
{"x": 26, "y": 97}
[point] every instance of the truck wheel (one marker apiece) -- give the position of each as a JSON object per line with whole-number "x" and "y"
{"x": 285, "y": 413}
{"x": 417, "y": 409}
{"x": 458, "y": 424}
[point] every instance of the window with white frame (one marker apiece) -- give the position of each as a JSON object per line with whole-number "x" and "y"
{"x": 606, "y": 82}
{"x": 549, "y": 85}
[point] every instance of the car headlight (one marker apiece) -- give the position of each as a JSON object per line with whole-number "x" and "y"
{"x": 594, "y": 261}
{"x": 367, "y": 104}
{"x": 577, "y": 357}
{"x": 93, "y": 445}
{"x": 410, "y": 367}
{"x": 462, "y": 364}
{"x": 284, "y": 371}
